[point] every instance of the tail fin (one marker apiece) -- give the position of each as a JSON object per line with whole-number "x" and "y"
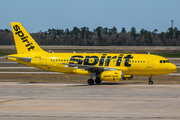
{"x": 23, "y": 40}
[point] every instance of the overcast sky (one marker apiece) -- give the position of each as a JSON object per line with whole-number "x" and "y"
{"x": 36, "y": 15}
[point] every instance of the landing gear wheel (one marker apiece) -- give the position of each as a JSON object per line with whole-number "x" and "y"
{"x": 150, "y": 81}
{"x": 90, "y": 81}
{"x": 98, "y": 81}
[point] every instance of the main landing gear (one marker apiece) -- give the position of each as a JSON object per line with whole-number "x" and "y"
{"x": 150, "y": 79}
{"x": 97, "y": 80}
{"x": 90, "y": 81}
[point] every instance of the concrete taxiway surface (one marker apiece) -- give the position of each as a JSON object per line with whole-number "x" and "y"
{"x": 41, "y": 101}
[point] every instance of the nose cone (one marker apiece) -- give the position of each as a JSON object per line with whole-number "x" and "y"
{"x": 172, "y": 68}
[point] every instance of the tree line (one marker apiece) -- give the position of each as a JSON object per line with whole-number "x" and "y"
{"x": 100, "y": 37}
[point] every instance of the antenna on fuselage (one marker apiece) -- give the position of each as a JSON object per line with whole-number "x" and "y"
{"x": 74, "y": 51}
{"x": 50, "y": 51}
{"x": 148, "y": 53}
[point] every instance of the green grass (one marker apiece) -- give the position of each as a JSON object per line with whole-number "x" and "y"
{"x": 177, "y": 54}
{"x": 7, "y": 52}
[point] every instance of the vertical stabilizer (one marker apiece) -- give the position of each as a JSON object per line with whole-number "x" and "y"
{"x": 23, "y": 40}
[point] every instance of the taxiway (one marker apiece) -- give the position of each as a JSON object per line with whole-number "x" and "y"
{"x": 44, "y": 101}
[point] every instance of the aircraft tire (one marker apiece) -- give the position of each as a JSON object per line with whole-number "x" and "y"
{"x": 90, "y": 81}
{"x": 150, "y": 82}
{"x": 98, "y": 81}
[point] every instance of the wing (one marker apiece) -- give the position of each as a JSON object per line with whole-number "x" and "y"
{"x": 91, "y": 68}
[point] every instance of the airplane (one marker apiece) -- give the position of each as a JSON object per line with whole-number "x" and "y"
{"x": 102, "y": 66}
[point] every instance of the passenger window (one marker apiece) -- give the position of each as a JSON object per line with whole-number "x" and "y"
{"x": 51, "y": 59}
{"x": 133, "y": 61}
{"x": 141, "y": 61}
{"x": 160, "y": 61}
{"x": 138, "y": 61}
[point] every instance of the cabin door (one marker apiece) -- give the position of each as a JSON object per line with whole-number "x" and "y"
{"x": 150, "y": 62}
{"x": 44, "y": 60}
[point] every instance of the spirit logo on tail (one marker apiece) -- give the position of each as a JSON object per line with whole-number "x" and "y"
{"x": 23, "y": 38}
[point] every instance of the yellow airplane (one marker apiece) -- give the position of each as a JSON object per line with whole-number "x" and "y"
{"x": 102, "y": 66}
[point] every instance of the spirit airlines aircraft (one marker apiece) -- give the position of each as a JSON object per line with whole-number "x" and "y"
{"x": 102, "y": 66}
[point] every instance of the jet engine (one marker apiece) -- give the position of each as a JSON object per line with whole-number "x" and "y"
{"x": 112, "y": 75}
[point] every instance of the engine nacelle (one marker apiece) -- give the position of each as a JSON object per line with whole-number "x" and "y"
{"x": 112, "y": 75}
{"x": 128, "y": 77}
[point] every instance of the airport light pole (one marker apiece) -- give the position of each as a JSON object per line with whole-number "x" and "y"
{"x": 172, "y": 23}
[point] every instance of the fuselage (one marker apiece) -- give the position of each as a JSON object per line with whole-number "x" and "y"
{"x": 130, "y": 64}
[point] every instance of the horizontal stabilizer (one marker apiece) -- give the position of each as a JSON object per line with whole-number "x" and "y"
{"x": 25, "y": 59}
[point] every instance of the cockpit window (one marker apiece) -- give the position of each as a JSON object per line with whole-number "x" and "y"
{"x": 164, "y": 61}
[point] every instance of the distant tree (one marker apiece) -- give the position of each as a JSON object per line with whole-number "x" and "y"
{"x": 123, "y": 30}
{"x": 133, "y": 32}
{"x": 162, "y": 38}
{"x": 99, "y": 36}
{"x": 142, "y": 32}
{"x": 59, "y": 32}
{"x": 67, "y": 31}
{"x": 49, "y": 31}
{"x": 114, "y": 30}
{"x": 8, "y": 31}
{"x": 176, "y": 32}
{"x": 83, "y": 31}
{"x": 155, "y": 31}
{"x": 105, "y": 30}
{"x": 99, "y": 30}
{"x": 76, "y": 30}
{"x": 84, "y": 34}
{"x": 45, "y": 33}
{"x": 170, "y": 33}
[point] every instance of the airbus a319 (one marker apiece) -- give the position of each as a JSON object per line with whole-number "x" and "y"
{"x": 101, "y": 66}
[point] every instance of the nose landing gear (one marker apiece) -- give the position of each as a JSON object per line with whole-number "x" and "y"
{"x": 150, "y": 79}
